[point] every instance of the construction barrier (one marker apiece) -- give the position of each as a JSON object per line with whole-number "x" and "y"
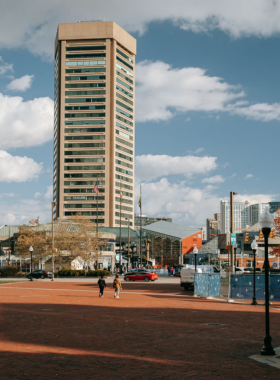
{"x": 207, "y": 284}
{"x": 242, "y": 286}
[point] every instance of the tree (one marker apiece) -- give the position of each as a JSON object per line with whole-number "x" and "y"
{"x": 79, "y": 237}
{"x": 31, "y": 236}
{"x": 276, "y": 250}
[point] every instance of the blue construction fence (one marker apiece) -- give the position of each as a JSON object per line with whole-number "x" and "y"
{"x": 207, "y": 284}
{"x": 242, "y": 286}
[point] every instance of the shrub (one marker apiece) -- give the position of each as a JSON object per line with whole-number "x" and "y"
{"x": 9, "y": 271}
{"x": 91, "y": 273}
{"x": 97, "y": 273}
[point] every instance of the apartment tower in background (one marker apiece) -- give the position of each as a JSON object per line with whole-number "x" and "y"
{"x": 94, "y": 122}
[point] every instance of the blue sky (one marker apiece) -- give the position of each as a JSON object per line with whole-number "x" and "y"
{"x": 207, "y": 107}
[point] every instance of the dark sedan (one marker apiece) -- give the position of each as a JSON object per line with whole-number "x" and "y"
{"x": 40, "y": 274}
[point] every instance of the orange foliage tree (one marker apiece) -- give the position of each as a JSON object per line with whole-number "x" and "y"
{"x": 276, "y": 250}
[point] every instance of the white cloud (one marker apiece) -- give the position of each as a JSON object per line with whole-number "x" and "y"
{"x": 232, "y": 176}
{"x": 198, "y": 150}
{"x": 186, "y": 205}
{"x": 32, "y": 24}
{"x": 149, "y": 167}
{"x": 191, "y": 89}
{"x": 7, "y": 195}
{"x": 21, "y": 84}
{"x": 249, "y": 176}
{"x": 18, "y": 169}
{"x": 4, "y": 67}
{"x": 260, "y": 111}
{"x": 21, "y": 211}
{"x": 46, "y": 197}
{"x": 25, "y": 124}
{"x": 214, "y": 179}
{"x": 255, "y": 198}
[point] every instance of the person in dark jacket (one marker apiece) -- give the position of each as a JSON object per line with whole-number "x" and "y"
{"x": 102, "y": 284}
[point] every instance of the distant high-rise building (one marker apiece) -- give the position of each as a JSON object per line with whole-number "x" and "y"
{"x": 94, "y": 122}
{"x": 213, "y": 226}
{"x": 240, "y": 215}
{"x": 244, "y": 214}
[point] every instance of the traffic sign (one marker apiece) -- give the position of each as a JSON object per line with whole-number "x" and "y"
{"x": 233, "y": 238}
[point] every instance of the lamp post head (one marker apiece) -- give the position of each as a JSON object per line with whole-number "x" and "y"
{"x": 266, "y": 219}
{"x": 195, "y": 251}
{"x": 235, "y": 245}
{"x": 254, "y": 245}
{"x": 31, "y": 248}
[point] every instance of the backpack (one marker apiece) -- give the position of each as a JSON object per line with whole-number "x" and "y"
{"x": 114, "y": 283}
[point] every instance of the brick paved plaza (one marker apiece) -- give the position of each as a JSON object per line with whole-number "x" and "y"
{"x": 63, "y": 330}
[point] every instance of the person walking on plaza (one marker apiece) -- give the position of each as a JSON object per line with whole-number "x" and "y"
{"x": 102, "y": 284}
{"x": 117, "y": 286}
{"x": 171, "y": 271}
{"x": 168, "y": 268}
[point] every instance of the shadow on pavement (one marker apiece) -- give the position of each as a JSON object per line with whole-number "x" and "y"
{"x": 74, "y": 341}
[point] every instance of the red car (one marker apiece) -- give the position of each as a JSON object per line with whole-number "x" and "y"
{"x": 140, "y": 275}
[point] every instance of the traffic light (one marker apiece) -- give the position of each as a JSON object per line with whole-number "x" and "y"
{"x": 260, "y": 236}
{"x": 246, "y": 237}
{"x": 272, "y": 234}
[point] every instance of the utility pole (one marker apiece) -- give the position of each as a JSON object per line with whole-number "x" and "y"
{"x": 231, "y": 228}
{"x": 121, "y": 226}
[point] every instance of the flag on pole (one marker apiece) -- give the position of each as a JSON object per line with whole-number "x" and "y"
{"x": 121, "y": 196}
{"x": 139, "y": 203}
{"x": 95, "y": 189}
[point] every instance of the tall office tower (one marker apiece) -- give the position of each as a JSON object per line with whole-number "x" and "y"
{"x": 94, "y": 122}
{"x": 240, "y": 215}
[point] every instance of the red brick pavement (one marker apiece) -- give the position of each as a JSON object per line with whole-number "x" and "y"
{"x": 52, "y": 330}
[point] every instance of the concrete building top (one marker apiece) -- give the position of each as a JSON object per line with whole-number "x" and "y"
{"x": 94, "y": 30}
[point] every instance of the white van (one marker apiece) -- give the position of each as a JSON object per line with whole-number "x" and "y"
{"x": 187, "y": 274}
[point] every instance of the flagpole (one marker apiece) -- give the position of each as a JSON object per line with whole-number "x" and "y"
{"x": 97, "y": 216}
{"x": 140, "y": 227}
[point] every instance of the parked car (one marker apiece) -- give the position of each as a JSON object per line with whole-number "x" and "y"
{"x": 140, "y": 275}
{"x": 40, "y": 273}
{"x": 251, "y": 270}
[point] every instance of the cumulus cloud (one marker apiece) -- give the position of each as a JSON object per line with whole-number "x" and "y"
{"x": 21, "y": 84}
{"x": 249, "y": 176}
{"x": 45, "y": 197}
{"x": 25, "y": 124}
{"x": 33, "y": 25}
{"x": 18, "y": 169}
{"x": 214, "y": 179}
{"x": 259, "y": 111}
{"x": 5, "y": 67}
{"x": 21, "y": 211}
{"x": 186, "y": 205}
{"x": 191, "y": 89}
{"x": 149, "y": 167}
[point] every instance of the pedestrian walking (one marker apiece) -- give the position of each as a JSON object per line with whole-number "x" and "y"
{"x": 171, "y": 271}
{"x": 117, "y": 286}
{"x": 102, "y": 284}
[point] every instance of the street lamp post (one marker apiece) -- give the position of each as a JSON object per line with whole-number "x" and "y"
{"x": 31, "y": 250}
{"x": 195, "y": 252}
{"x": 266, "y": 221}
{"x": 254, "y": 247}
{"x": 234, "y": 246}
